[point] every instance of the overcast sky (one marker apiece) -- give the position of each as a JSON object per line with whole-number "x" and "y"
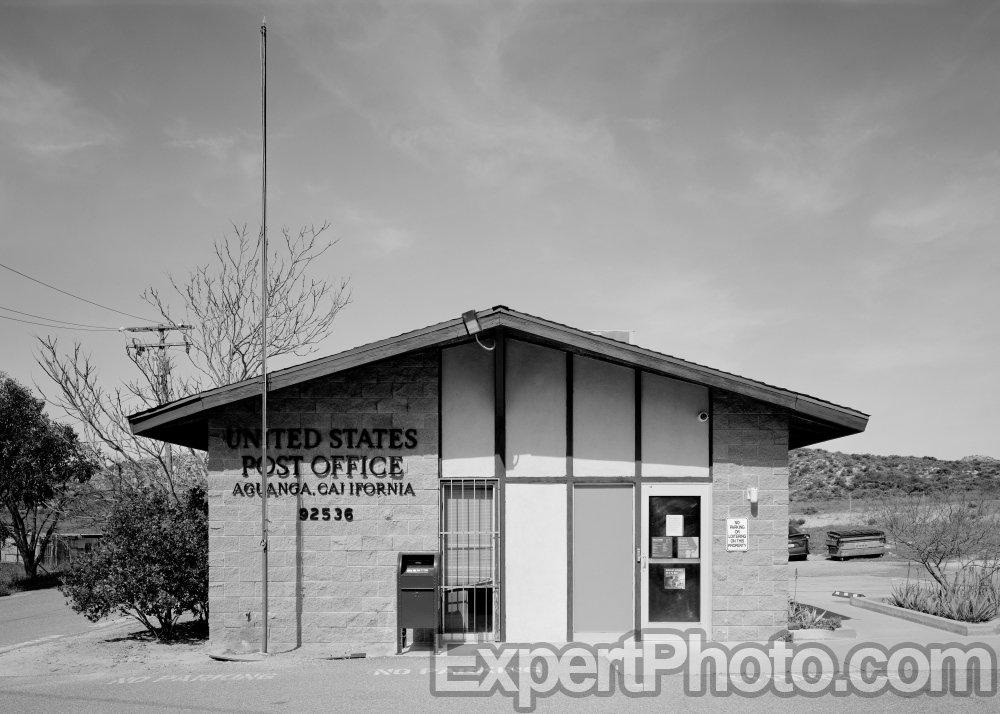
{"x": 803, "y": 193}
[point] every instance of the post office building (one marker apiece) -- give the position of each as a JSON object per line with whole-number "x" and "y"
{"x": 573, "y": 487}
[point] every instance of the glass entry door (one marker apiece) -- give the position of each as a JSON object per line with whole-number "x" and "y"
{"x": 675, "y": 573}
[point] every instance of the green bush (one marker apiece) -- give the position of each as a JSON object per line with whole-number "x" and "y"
{"x": 152, "y": 563}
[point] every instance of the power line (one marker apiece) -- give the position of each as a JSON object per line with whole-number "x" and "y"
{"x": 52, "y": 319}
{"x": 62, "y": 327}
{"x": 53, "y": 287}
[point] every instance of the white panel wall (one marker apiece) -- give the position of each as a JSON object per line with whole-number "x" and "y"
{"x": 467, "y": 435}
{"x": 536, "y": 410}
{"x": 603, "y": 418}
{"x": 674, "y": 442}
{"x": 536, "y": 562}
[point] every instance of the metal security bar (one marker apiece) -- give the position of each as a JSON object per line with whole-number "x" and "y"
{"x": 470, "y": 562}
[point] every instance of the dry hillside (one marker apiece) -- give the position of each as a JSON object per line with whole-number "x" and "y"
{"x": 816, "y": 474}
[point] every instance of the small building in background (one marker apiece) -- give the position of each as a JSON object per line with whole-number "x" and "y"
{"x": 62, "y": 549}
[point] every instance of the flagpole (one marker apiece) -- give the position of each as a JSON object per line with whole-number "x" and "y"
{"x": 263, "y": 338}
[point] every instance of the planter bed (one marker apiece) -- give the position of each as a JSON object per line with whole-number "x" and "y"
{"x": 969, "y": 629}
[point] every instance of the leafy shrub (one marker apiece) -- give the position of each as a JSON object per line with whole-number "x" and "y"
{"x": 810, "y": 510}
{"x": 797, "y": 521}
{"x": 152, "y": 563}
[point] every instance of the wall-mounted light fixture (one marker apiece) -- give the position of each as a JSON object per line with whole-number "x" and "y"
{"x": 703, "y": 416}
{"x": 752, "y": 495}
{"x": 473, "y": 327}
{"x": 471, "y": 322}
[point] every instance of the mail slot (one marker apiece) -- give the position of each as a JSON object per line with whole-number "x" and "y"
{"x": 416, "y": 594}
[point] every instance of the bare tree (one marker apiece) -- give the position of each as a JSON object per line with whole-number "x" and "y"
{"x": 102, "y": 416}
{"x": 221, "y": 300}
{"x": 952, "y": 535}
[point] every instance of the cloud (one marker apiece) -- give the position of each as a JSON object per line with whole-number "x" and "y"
{"x": 522, "y": 149}
{"x": 378, "y": 235}
{"x": 45, "y": 120}
{"x": 218, "y": 147}
{"x": 438, "y": 89}
{"x": 806, "y": 173}
{"x": 389, "y": 239}
{"x": 956, "y": 210}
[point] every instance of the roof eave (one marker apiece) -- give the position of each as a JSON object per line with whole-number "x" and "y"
{"x": 186, "y": 419}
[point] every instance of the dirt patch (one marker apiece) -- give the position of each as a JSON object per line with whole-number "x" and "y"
{"x": 830, "y": 519}
{"x": 124, "y": 646}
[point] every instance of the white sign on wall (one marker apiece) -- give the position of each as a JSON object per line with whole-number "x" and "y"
{"x": 737, "y": 533}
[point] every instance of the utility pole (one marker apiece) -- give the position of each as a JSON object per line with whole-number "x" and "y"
{"x": 263, "y": 333}
{"x": 161, "y": 383}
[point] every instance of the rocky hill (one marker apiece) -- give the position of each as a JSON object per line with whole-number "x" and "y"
{"x": 817, "y": 474}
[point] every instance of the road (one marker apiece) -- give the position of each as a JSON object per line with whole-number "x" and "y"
{"x": 38, "y": 615}
{"x": 292, "y": 684}
{"x": 376, "y": 687}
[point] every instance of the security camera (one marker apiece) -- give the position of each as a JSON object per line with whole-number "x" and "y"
{"x": 703, "y": 416}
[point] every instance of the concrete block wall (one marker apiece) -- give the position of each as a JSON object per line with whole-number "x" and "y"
{"x": 749, "y": 449}
{"x": 330, "y": 582}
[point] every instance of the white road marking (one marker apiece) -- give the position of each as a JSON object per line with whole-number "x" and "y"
{"x": 233, "y": 677}
{"x": 29, "y": 642}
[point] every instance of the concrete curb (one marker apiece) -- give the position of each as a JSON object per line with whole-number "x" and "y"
{"x": 969, "y": 629}
{"x": 810, "y": 634}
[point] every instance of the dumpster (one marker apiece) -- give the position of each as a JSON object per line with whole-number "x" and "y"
{"x": 416, "y": 594}
{"x": 855, "y": 543}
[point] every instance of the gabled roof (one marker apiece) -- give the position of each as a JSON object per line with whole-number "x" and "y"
{"x": 185, "y": 421}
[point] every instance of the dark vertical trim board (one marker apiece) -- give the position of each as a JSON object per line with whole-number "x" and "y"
{"x": 637, "y": 503}
{"x": 500, "y": 456}
{"x": 638, "y": 566}
{"x": 440, "y": 503}
{"x": 711, "y": 434}
{"x": 500, "y": 402}
{"x": 569, "y": 562}
{"x": 569, "y": 414}
{"x": 501, "y": 597}
{"x": 440, "y": 354}
{"x": 638, "y": 423}
{"x": 569, "y": 497}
